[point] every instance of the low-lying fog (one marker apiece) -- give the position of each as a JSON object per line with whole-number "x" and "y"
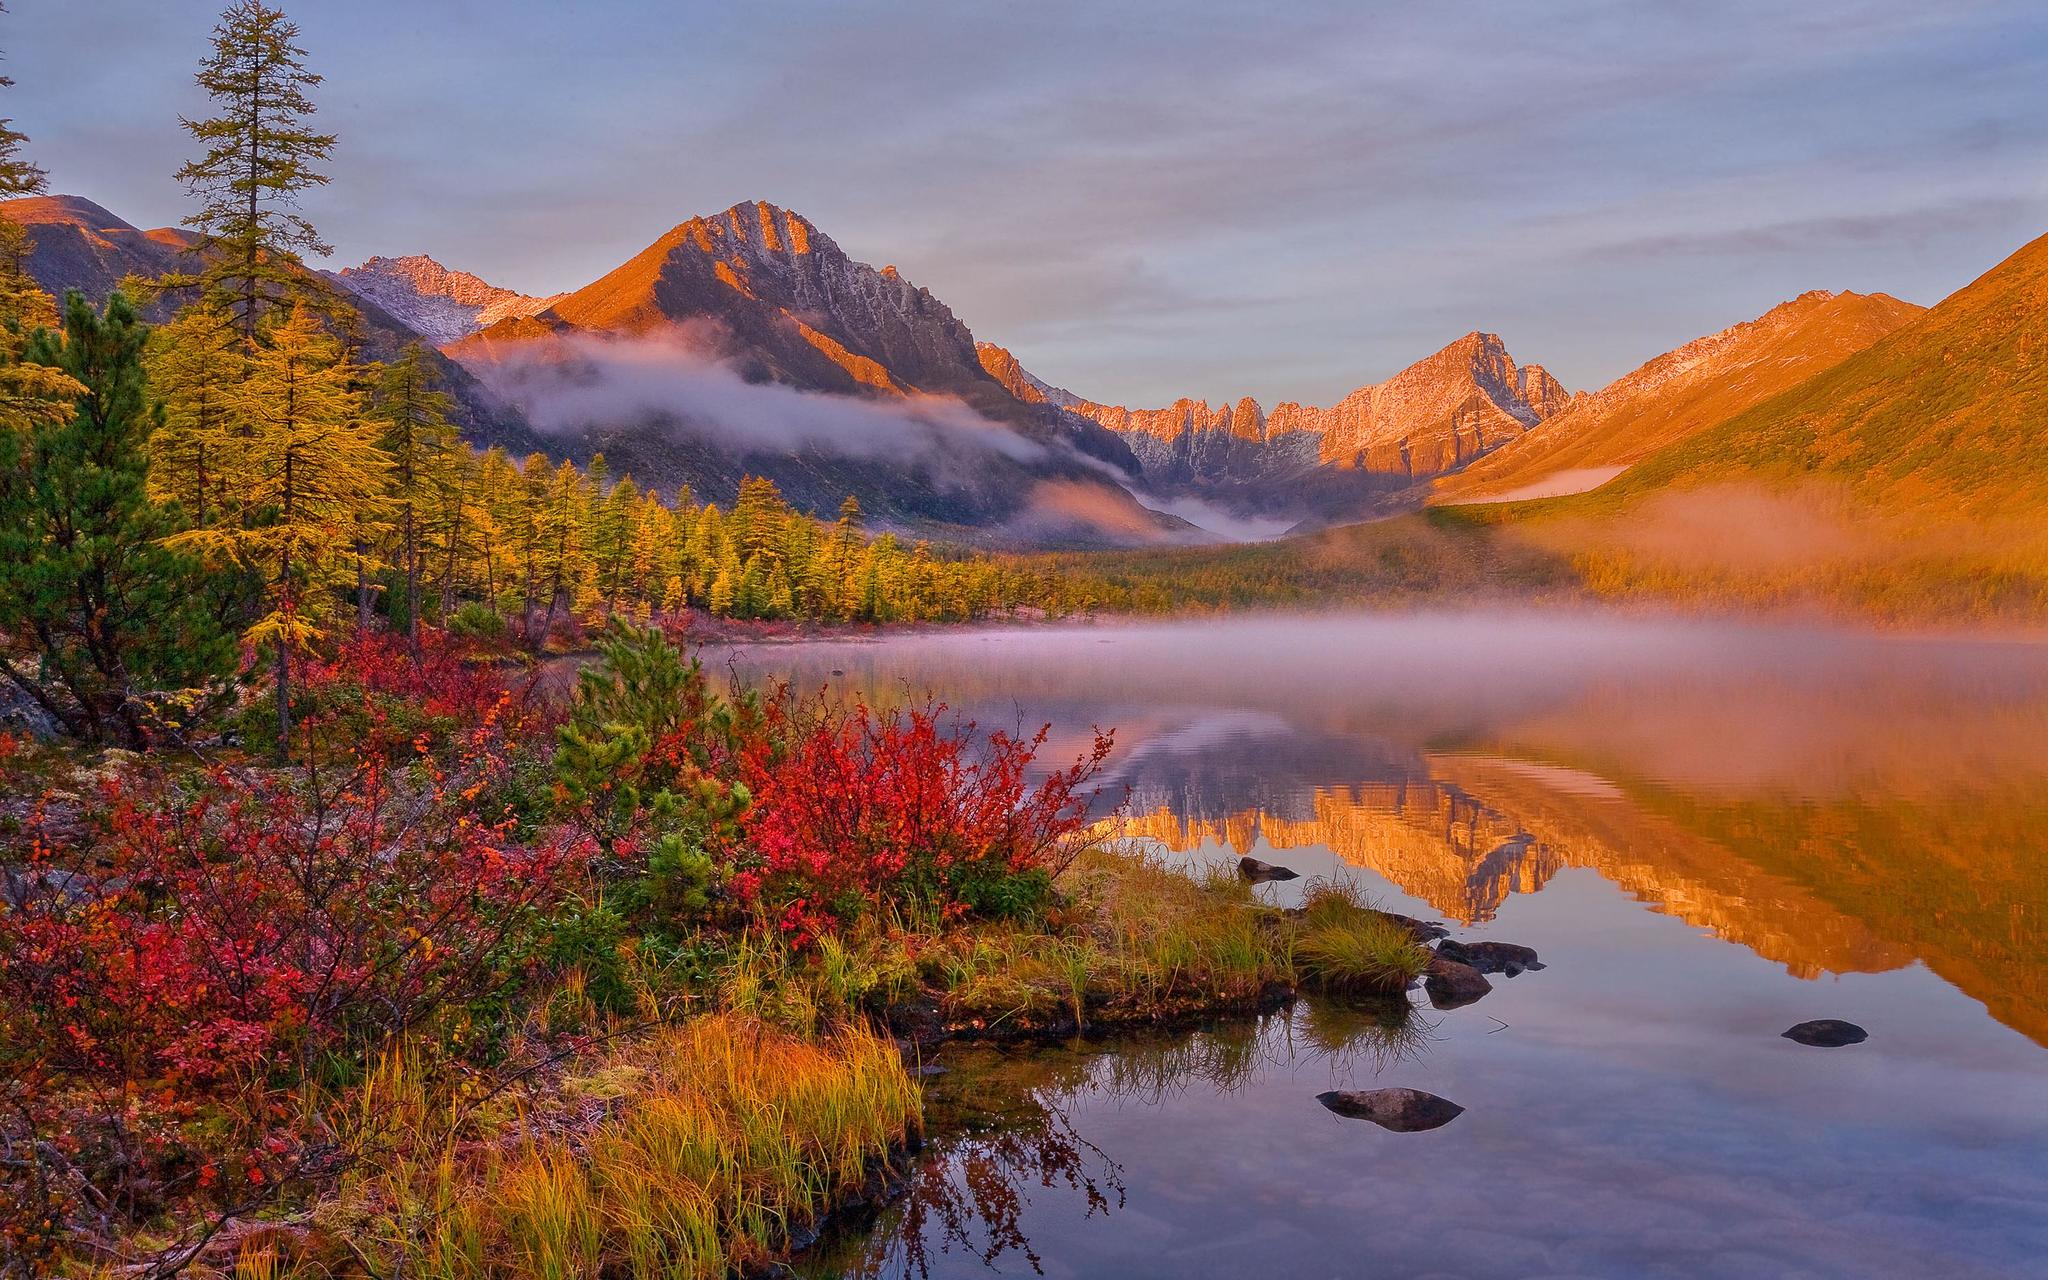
{"x": 1707, "y": 702}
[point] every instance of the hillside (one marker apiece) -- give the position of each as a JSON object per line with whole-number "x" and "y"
{"x": 1947, "y": 418}
{"x": 749, "y": 342}
{"x": 76, "y": 244}
{"x": 1679, "y": 393}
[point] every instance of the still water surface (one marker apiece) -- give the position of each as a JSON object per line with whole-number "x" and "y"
{"x": 1709, "y": 832}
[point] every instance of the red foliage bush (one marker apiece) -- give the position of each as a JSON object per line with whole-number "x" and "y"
{"x": 242, "y": 927}
{"x": 371, "y": 692}
{"x": 193, "y": 946}
{"x": 853, "y": 809}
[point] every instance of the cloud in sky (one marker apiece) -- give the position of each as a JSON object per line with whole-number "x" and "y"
{"x": 1150, "y": 199}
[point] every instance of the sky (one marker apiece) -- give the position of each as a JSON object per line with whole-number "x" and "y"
{"x": 1147, "y": 200}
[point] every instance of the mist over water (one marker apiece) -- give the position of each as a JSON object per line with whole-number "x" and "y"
{"x": 1709, "y": 831}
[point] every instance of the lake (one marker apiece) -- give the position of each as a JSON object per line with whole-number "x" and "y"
{"x": 1708, "y": 831}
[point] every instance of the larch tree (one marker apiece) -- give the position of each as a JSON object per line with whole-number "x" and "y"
{"x": 566, "y": 544}
{"x": 196, "y": 366}
{"x": 31, "y": 395}
{"x": 260, "y": 156}
{"x": 426, "y": 465}
{"x": 88, "y": 587}
{"x": 314, "y": 474}
{"x": 525, "y": 519}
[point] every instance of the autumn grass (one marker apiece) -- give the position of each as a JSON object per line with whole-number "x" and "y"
{"x": 1343, "y": 946}
{"x": 720, "y": 1135}
{"x": 695, "y": 1147}
{"x": 1137, "y": 939}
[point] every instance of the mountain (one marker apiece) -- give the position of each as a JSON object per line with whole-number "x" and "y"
{"x": 1435, "y": 416}
{"x": 438, "y": 304}
{"x": 659, "y": 363}
{"x": 768, "y": 291}
{"x": 76, "y": 244}
{"x": 1945, "y": 418}
{"x": 1678, "y": 394}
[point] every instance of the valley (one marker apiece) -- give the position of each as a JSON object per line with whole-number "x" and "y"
{"x": 1309, "y": 639}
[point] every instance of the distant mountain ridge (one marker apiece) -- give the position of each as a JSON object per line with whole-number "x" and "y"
{"x": 440, "y": 305}
{"x": 761, "y": 292}
{"x": 1436, "y": 415}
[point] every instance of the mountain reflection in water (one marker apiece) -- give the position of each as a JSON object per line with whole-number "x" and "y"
{"x": 1710, "y": 832}
{"x": 1837, "y": 802}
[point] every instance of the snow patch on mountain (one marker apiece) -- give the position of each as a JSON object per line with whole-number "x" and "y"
{"x": 439, "y": 304}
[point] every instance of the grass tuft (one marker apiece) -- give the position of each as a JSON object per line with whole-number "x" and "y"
{"x": 1344, "y": 946}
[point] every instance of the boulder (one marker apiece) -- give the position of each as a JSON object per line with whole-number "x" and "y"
{"x": 1452, "y": 985}
{"x": 1827, "y": 1033}
{"x": 20, "y": 713}
{"x": 21, "y": 885}
{"x": 1490, "y": 957}
{"x": 1401, "y": 1110}
{"x": 1260, "y": 872}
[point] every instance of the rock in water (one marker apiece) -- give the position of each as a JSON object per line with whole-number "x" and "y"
{"x": 1827, "y": 1033}
{"x": 1491, "y": 957}
{"x": 1401, "y": 1110}
{"x": 1253, "y": 869}
{"x": 1452, "y": 985}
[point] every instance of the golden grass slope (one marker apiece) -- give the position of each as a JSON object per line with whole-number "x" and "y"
{"x": 1680, "y": 393}
{"x": 1947, "y": 418}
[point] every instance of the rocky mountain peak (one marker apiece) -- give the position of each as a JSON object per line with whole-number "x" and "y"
{"x": 1439, "y": 413}
{"x": 757, "y": 230}
{"x": 439, "y": 304}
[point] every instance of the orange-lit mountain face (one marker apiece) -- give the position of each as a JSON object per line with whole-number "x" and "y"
{"x": 1941, "y": 419}
{"x": 1433, "y": 417}
{"x": 766, "y": 290}
{"x": 666, "y": 345}
{"x": 1679, "y": 394}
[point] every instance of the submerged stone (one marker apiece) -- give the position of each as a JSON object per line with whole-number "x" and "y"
{"x": 1452, "y": 985}
{"x": 1253, "y": 869}
{"x": 1827, "y": 1033}
{"x": 1401, "y": 1110}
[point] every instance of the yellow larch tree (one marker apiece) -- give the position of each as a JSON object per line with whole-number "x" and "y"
{"x": 312, "y": 476}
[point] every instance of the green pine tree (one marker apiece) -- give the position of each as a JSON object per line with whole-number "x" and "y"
{"x": 88, "y": 589}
